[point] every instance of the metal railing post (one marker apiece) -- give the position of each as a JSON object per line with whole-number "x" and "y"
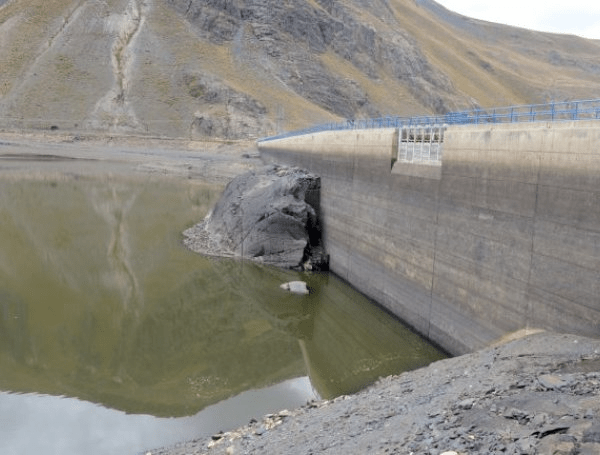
{"x": 430, "y": 140}
{"x": 574, "y": 110}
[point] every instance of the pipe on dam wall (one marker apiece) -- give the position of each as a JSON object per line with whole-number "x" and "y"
{"x": 503, "y": 234}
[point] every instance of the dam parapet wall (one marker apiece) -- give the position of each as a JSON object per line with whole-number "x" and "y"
{"x": 499, "y": 232}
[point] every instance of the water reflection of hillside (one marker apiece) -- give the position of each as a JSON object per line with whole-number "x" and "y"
{"x": 99, "y": 300}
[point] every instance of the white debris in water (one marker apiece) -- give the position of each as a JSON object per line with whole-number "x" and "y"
{"x": 295, "y": 287}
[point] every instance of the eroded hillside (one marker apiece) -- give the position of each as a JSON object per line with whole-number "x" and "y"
{"x": 239, "y": 68}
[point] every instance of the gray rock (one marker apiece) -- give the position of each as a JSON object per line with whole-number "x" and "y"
{"x": 266, "y": 216}
{"x": 526, "y": 445}
{"x": 296, "y": 287}
{"x": 466, "y": 404}
{"x": 589, "y": 449}
{"x": 552, "y": 382}
{"x": 516, "y": 414}
{"x": 592, "y": 434}
{"x": 556, "y": 444}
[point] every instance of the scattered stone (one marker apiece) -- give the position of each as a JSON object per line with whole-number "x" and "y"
{"x": 592, "y": 434}
{"x": 555, "y": 445}
{"x": 539, "y": 419}
{"x": 466, "y": 404}
{"x": 552, "y": 382}
{"x": 526, "y": 445}
{"x": 296, "y": 287}
{"x": 516, "y": 414}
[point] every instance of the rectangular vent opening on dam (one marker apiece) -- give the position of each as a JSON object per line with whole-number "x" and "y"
{"x": 419, "y": 151}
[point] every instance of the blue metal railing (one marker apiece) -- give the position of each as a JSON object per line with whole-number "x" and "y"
{"x": 550, "y": 112}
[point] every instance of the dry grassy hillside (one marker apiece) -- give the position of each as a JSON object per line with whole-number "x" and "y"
{"x": 238, "y": 68}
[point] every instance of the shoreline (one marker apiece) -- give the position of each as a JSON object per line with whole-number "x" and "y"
{"x": 529, "y": 395}
{"x": 537, "y": 394}
{"x": 212, "y": 161}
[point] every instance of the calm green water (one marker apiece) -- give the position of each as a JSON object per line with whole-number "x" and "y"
{"x": 101, "y": 306}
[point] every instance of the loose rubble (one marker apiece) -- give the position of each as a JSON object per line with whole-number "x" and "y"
{"x": 536, "y": 395}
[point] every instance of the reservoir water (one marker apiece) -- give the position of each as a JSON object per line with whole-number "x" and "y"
{"x": 116, "y": 339}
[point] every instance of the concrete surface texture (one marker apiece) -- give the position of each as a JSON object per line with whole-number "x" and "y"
{"x": 507, "y": 239}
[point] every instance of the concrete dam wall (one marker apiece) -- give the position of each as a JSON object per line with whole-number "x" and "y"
{"x": 500, "y": 234}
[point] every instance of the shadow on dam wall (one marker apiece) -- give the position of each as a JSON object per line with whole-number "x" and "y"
{"x": 502, "y": 234}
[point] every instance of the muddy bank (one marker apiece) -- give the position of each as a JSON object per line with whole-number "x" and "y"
{"x": 536, "y": 395}
{"x": 214, "y": 162}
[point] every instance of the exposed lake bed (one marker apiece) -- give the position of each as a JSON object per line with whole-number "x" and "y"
{"x": 104, "y": 308}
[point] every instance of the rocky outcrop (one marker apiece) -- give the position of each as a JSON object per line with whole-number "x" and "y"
{"x": 224, "y": 112}
{"x": 292, "y": 36}
{"x": 269, "y": 216}
{"x": 130, "y": 66}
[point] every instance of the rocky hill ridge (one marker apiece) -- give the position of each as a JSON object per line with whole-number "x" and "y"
{"x": 244, "y": 68}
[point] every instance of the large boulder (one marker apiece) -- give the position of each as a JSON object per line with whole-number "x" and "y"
{"x": 268, "y": 215}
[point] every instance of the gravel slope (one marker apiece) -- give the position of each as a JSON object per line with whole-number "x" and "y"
{"x": 536, "y": 395}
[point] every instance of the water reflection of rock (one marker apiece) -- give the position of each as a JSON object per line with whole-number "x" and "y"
{"x": 209, "y": 336}
{"x": 346, "y": 341}
{"x": 14, "y": 333}
{"x": 102, "y": 302}
{"x": 89, "y": 272}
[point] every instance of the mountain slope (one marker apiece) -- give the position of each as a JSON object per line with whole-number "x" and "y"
{"x": 238, "y": 68}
